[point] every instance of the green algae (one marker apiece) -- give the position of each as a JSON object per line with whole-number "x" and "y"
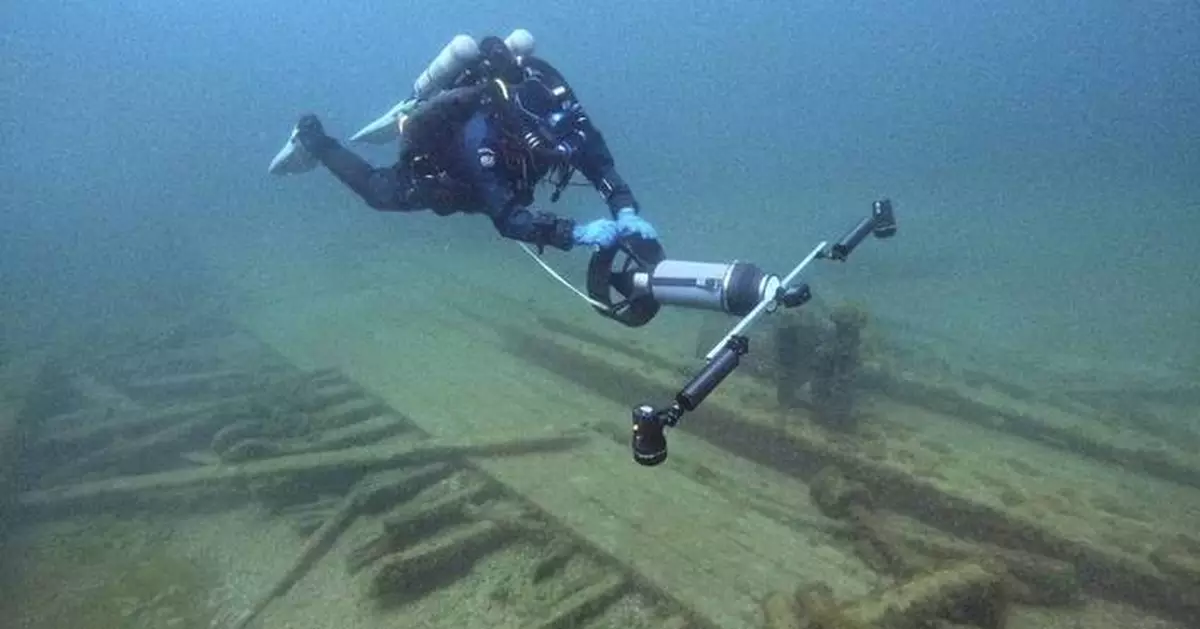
{"x": 105, "y": 575}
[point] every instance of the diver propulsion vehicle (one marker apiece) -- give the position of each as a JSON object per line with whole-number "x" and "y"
{"x": 631, "y": 282}
{"x": 455, "y": 56}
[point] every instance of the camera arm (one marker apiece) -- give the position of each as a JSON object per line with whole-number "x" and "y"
{"x": 649, "y": 442}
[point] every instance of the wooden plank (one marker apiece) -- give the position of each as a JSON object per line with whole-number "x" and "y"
{"x": 216, "y": 381}
{"x": 1078, "y": 433}
{"x": 1106, "y": 539}
{"x": 133, "y": 424}
{"x": 454, "y": 375}
{"x": 364, "y": 497}
{"x": 134, "y": 456}
{"x": 586, "y": 603}
{"x": 359, "y": 459}
{"x": 686, "y": 538}
{"x": 580, "y": 381}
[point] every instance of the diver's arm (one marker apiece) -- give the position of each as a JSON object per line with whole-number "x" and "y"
{"x": 542, "y": 229}
{"x": 514, "y": 222}
{"x": 595, "y": 161}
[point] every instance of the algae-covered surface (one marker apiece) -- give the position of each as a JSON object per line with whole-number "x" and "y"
{"x": 1081, "y": 498}
{"x": 103, "y": 574}
{"x": 715, "y": 531}
{"x": 1091, "y": 501}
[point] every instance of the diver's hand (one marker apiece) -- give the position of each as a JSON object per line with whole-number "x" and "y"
{"x": 630, "y": 224}
{"x": 600, "y": 233}
{"x": 310, "y": 134}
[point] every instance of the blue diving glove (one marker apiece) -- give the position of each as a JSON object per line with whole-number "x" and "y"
{"x": 630, "y": 224}
{"x": 598, "y": 233}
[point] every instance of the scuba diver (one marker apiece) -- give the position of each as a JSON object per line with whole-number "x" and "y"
{"x": 485, "y": 126}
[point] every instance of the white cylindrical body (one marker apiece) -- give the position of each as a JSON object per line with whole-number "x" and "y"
{"x": 520, "y": 42}
{"x": 734, "y": 288}
{"x": 690, "y": 284}
{"x": 461, "y": 51}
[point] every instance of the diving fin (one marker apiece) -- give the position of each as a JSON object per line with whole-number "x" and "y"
{"x": 292, "y": 159}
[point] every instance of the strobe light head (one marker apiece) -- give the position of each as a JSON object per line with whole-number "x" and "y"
{"x": 883, "y": 219}
{"x": 649, "y": 441}
{"x": 881, "y": 223}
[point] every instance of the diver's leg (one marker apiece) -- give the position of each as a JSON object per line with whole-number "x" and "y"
{"x": 380, "y": 188}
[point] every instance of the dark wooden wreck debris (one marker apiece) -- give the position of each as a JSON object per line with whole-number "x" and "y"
{"x": 1053, "y": 554}
{"x": 370, "y": 495}
{"x": 314, "y": 447}
{"x": 903, "y": 551}
{"x": 352, "y": 460}
{"x": 957, "y": 594}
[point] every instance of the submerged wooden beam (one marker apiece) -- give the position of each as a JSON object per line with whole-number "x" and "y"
{"x": 213, "y": 382}
{"x": 957, "y": 594}
{"x": 965, "y": 593}
{"x": 586, "y": 604}
{"x": 802, "y": 449}
{"x": 1039, "y": 422}
{"x": 140, "y": 453}
{"x": 366, "y": 496}
{"x": 412, "y": 572}
{"x": 408, "y": 522}
{"x": 903, "y": 552}
{"x": 755, "y": 433}
{"x": 98, "y": 432}
{"x": 354, "y": 459}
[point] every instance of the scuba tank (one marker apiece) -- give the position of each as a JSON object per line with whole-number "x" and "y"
{"x": 449, "y": 63}
{"x": 458, "y": 55}
{"x": 455, "y": 56}
{"x": 520, "y": 42}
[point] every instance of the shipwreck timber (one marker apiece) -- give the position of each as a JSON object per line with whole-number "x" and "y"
{"x": 899, "y": 503}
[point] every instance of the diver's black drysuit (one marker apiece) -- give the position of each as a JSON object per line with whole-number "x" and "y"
{"x": 482, "y": 146}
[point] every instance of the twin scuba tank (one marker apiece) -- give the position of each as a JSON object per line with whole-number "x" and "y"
{"x": 461, "y": 53}
{"x": 457, "y": 56}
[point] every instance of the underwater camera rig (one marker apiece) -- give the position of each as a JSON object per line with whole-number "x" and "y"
{"x": 629, "y": 284}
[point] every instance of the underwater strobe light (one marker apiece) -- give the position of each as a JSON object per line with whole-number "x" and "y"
{"x": 631, "y": 282}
